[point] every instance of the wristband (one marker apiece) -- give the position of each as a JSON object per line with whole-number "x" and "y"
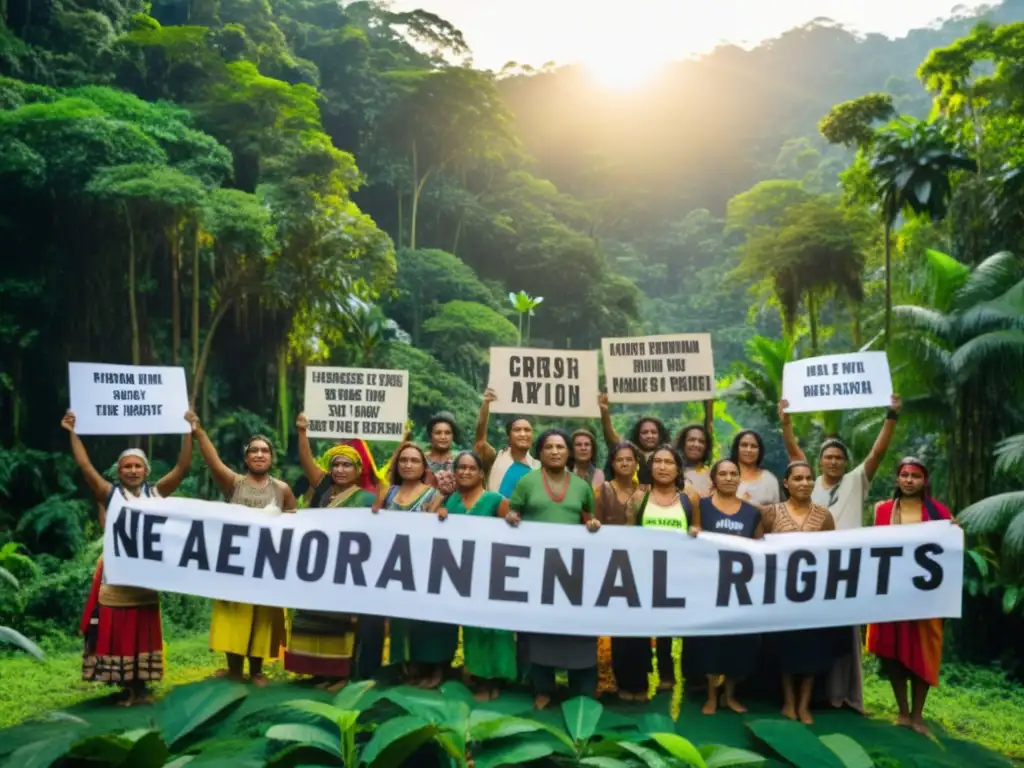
{"x": 892, "y": 415}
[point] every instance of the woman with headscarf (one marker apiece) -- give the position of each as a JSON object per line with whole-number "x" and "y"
{"x": 489, "y": 654}
{"x": 322, "y": 643}
{"x": 725, "y": 659}
{"x": 757, "y": 485}
{"x": 694, "y": 445}
{"x": 239, "y": 630}
{"x": 616, "y": 504}
{"x": 553, "y": 494}
{"x": 124, "y": 643}
{"x": 584, "y": 457}
{"x": 801, "y": 653}
{"x": 910, "y": 651}
{"x": 427, "y": 648}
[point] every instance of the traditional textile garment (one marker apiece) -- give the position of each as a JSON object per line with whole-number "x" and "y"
{"x": 323, "y": 643}
{"x": 803, "y": 652}
{"x": 123, "y": 633}
{"x": 490, "y": 654}
{"x": 506, "y": 472}
{"x": 369, "y": 476}
{"x": 546, "y": 653}
{"x": 241, "y": 629}
{"x": 916, "y": 645}
{"x": 420, "y": 642}
{"x": 761, "y": 491}
{"x": 734, "y": 656}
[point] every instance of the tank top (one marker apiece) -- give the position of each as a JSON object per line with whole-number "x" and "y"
{"x": 743, "y": 523}
{"x": 674, "y": 517}
{"x": 249, "y": 495}
{"x": 613, "y": 511}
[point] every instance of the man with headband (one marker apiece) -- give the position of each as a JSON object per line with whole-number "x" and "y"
{"x": 124, "y": 643}
{"x": 508, "y": 466}
{"x": 240, "y": 630}
{"x": 843, "y": 494}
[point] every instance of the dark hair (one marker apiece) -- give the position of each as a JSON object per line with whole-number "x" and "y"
{"x": 394, "y": 477}
{"x": 443, "y": 417}
{"x": 663, "y": 435}
{"x": 734, "y": 452}
{"x": 263, "y": 438}
{"x": 593, "y": 446}
{"x": 793, "y": 465}
{"x": 681, "y": 442}
{"x": 546, "y": 435}
{"x": 833, "y": 441}
{"x": 715, "y": 467}
{"x": 512, "y": 420}
{"x": 473, "y": 455}
{"x": 676, "y": 457}
{"x": 609, "y": 465}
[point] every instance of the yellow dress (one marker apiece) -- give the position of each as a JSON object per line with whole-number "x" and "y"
{"x": 256, "y": 631}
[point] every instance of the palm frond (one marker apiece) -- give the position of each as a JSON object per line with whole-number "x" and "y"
{"x": 9, "y": 577}
{"x": 992, "y": 515}
{"x": 911, "y": 318}
{"x": 999, "y": 350}
{"x": 989, "y": 280}
{"x": 1013, "y": 539}
{"x": 1009, "y": 455}
{"x": 9, "y": 636}
{"x": 944, "y": 276}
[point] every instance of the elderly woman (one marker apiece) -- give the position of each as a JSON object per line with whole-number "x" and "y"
{"x": 910, "y": 651}
{"x": 239, "y": 630}
{"x": 801, "y": 653}
{"x": 490, "y": 654}
{"x": 584, "y": 457}
{"x": 757, "y": 485}
{"x": 553, "y": 494}
{"x": 124, "y": 642}
{"x": 322, "y": 643}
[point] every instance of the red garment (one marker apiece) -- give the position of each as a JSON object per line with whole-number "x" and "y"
{"x": 916, "y": 645}
{"x": 368, "y": 476}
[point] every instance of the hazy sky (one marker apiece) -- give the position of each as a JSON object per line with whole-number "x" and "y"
{"x": 536, "y": 31}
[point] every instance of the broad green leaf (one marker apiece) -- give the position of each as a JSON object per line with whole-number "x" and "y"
{"x": 351, "y": 696}
{"x": 453, "y": 690}
{"x": 187, "y": 708}
{"x": 850, "y": 753}
{"x": 147, "y": 749}
{"x": 721, "y": 756}
{"x": 515, "y": 751}
{"x": 43, "y": 754}
{"x": 582, "y": 715}
{"x": 9, "y": 577}
{"x": 651, "y": 758}
{"x": 179, "y": 762}
{"x": 307, "y": 735}
{"x": 484, "y": 725}
{"x": 396, "y": 739}
{"x": 655, "y": 722}
{"x": 679, "y": 747}
{"x": 795, "y": 742}
{"x": 11, "y": 637}
{"x": 430, "y": 705}
{"x": 107, "y": 748}
{"x": 603, "y": 762}
{"x": 1011, "y": 597}
{"x": 319, "y": 708}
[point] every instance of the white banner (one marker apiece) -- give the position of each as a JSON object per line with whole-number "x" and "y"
{"x": 366, "y": 403}
{"x": 673, "y": 368}
{"x": 837, "y": 382}
{"x": 538, "y": 577}
{"x": 544, "y": 382}
{"x": 128, "y": 399}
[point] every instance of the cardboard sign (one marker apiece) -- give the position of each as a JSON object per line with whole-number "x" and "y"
{"x": 366, "y": 403}
{"x": 128, "y": 399}
{"x": 674, "y": 368}
{"x": 837, "y": 382}
{"x": 544, "y": 382}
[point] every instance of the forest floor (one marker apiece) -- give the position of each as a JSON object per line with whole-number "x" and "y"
{"x": 972, "y": 705}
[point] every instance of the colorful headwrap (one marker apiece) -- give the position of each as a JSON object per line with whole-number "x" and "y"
{"x": 369, "y": 477}
{"x": 137, "y": 453}
{"x": 913, "y": 461}
{"x": 344, "y": 452}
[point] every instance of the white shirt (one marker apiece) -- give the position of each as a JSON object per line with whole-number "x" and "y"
{"x": 846, "y": 500}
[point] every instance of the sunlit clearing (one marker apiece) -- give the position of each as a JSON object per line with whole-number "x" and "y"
{"x": 622, "y": 72}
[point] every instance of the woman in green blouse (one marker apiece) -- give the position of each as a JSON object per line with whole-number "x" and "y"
{"x": 490, "y": 654}
{"x": 552, "y": 494}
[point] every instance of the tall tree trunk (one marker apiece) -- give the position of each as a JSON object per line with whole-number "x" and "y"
{"x": 401, "y": 219}
{"x": 856, "y": 326}
{"x": 283, "y": 404}
{"x": 133, "y": 314}
{"x": 417, "y": 191}
{"x": 458, "y": 232}
{"x": 812, "y": 317}
{"x": 174, "y": 238}
{"x": 888, "y": 283}
{"x": 195, "y": 301}
{"x": 204, "y": 357}
{"x": 16, "y": 400}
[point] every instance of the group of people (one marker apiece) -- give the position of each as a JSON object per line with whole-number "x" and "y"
{"x": 649, "y": 479}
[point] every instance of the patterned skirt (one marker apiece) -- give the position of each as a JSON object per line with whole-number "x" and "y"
{"x": 124, "y": 645}
{"x": 321, "y": 644}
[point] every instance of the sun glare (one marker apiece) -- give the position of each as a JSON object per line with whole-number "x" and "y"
{"x": 626, "y": 73}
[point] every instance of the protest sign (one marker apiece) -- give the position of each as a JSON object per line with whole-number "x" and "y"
{"x": 539, "y": 577}
{"x": 837, "y": 382}
{"x": 673, "y": 368}
{"x": 544, "y": 382}
{"x": 128, "y": 399}
{"x": 366, "y": 403}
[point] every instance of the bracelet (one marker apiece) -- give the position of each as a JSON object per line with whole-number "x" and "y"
{"x": 892, "y": 415}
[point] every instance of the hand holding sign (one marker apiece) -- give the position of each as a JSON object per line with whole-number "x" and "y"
{"x": 127, "y": 399}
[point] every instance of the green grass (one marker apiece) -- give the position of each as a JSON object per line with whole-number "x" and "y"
{"x": 974, "y": 704}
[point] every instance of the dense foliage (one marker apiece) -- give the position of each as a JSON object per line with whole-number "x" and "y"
{"x": 243, "y": 188}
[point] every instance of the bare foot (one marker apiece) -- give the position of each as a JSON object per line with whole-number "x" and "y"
{"x": 789, "y": 712}
{"x": 805, "y": 717}
{"x": 903, "y": 721}
{"x": 666, "y": 685}
{"x": 641, "y": 698}
{"x": 336, "y": 686}
{"x": 541, "y": 702}
{"x": 433, "y": 681}
{"x": 482, "y": 694}
{"x": 710, "y": 707}
{"x": 221, "y": 674}
{"x": 494, "y": 692}
{"x": 260, "y": 681}
{"x": 735, "y": 706}
{"x": 129, "y": 700}
{"x": 919, "y": 727}
{"x": 627, "y": 696}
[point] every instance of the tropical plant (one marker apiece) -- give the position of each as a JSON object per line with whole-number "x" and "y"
{"x": 799, "y": 746}
{"x": 12, "y": 559}
{"x": 525, "y": 305}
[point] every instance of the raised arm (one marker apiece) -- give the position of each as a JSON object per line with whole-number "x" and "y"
{"x": 483, "y": 448}
{"x": 878, "y": 450}
{"x": 169, "y": 483}
{"x": 310, "y": 469}
{"x": 222, "y": 474}
{"x": 792, "y": 446}
{"x": 611, "y": 437}
{"x": 98, "y": 484}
